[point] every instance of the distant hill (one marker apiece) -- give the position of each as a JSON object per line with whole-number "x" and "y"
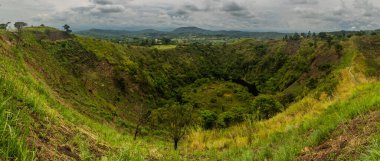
{"x": 179, "y": 32}
{"x": 191, "y": 30}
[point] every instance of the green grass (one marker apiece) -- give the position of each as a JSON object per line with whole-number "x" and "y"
{"x": 12, "y": 139}
{"x": 289, "y": 144}
{"x": 164, "y": 47}
{"x": 23, "y": 93}
{"x": 373, "y": 152}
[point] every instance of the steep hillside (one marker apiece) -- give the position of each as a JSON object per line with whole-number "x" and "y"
{"x": 67, "y": 97}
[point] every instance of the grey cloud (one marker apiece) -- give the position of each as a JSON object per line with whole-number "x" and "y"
{"x": 236, "y": 10}
{"x": 98, "y": 10}
{"x": 111, "y": 8}
{"x": 264, "y": 15}
{"x": 303, "y": 2}
{"x": 340, "y": 12}
{"x": 367, "y": 9}
{"x": 243, "y": 14}
{"x": 308, "y": 13}
{"x": 363, "y": 4}
{"x": 179, "y": 14}
{"x": 82, "y": 10}
{"x": 232, "y": 7}
{"x": 102, "y": 2}
{"x": 191, "y": 7}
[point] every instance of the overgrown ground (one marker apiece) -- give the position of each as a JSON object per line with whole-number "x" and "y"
{"x": 65, "y": 97}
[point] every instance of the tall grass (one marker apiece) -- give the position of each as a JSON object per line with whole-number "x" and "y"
{"x": 373, "y": 152}
{"x": 12, "y": 140}
{"x": 22, "y": 92}
{"x": 285, "y": 146}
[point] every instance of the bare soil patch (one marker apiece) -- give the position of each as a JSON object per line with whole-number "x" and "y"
{"x": 347, "y": 142}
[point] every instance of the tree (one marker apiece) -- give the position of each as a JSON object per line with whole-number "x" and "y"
{"x": 67, "y": 28}
{"x": 322, "y": 35}
{"x": 303, "y": 35}
{"x": 296, "y": 36}
{"x": 4, "y": 26}
{"x": 285, "y": 38}
{"x": 141, "y": 115}
{"x": 329, "y": 40}
{"x": 166, "y": 41}
{"x": 177, "y": 120}
{"x": 314, "y": 36}
{"x": 339, "y": 49}
{"x": 309, "y": 34}
{"x": 343, "y": 33}
{"x": 20, "y": 25}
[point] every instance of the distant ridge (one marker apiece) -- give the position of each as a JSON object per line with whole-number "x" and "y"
{"x": 190, "y": 30}
{"x": 179, "y": 32}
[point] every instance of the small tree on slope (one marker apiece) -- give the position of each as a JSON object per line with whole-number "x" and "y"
{"x": 177, "y": 120}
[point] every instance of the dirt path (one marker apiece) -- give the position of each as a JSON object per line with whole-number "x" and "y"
{"x": 347, "y": 142}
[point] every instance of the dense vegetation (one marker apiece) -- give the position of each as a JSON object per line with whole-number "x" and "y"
{"x": 66, "y": 96}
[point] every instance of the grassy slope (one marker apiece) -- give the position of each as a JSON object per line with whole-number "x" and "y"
{"x": 305, "y": 123}
{"x": 61, "y": 127}
{"x": 56, "y": 130}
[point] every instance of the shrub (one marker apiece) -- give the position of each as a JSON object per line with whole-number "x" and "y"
{"x": 213, "y": 100}
{"x": 208, "y": 118}
{"x": 225, "y": 119}
{"x": 265, "y": 106}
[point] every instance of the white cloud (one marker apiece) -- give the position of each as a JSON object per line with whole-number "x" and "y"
{"x": 254, "y": 15}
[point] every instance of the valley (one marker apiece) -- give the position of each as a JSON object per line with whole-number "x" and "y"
{"x": 68, "y": 96}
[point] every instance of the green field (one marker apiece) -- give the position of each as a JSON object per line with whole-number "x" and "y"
{"x": 164, "y": 47}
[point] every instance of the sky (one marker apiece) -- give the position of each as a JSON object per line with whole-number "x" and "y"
{"x": 245, "y": 15}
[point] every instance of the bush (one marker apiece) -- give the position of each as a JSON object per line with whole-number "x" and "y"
{"x": 286, "y": 98}
{"x": 208, "y": 118}
{"x": 225, "y": 119}
{"x": 265, "y": 106}
{"x": 213, "y": 100}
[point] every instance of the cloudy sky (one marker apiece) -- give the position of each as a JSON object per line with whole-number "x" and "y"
{"x": 247, "y": 15}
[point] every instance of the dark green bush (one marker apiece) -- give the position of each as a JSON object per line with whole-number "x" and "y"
{"x": 265, "y": 106}
{"x": 225, "y": 119}
{"x": 208, "y": 119}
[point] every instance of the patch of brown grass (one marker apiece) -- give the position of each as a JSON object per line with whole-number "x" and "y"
{"x": 347, "y": 141}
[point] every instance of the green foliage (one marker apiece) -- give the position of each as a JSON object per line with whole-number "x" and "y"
{"x": 374, "y": 150}
{"x": 12, "y": 120}
{"x": 208, "y": 119}
{"x": 67, "y": 29}
{"x": 177, "y": 119}
{"x": 225, "y": 119}
{"x": 369, "y": 46}
{"x": 4, "y": 26}
{"x": 20, "y": 25}
{"x": 265, "y": 106}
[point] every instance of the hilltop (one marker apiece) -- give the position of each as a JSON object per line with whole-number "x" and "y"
{"x": 68, "y": 97}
